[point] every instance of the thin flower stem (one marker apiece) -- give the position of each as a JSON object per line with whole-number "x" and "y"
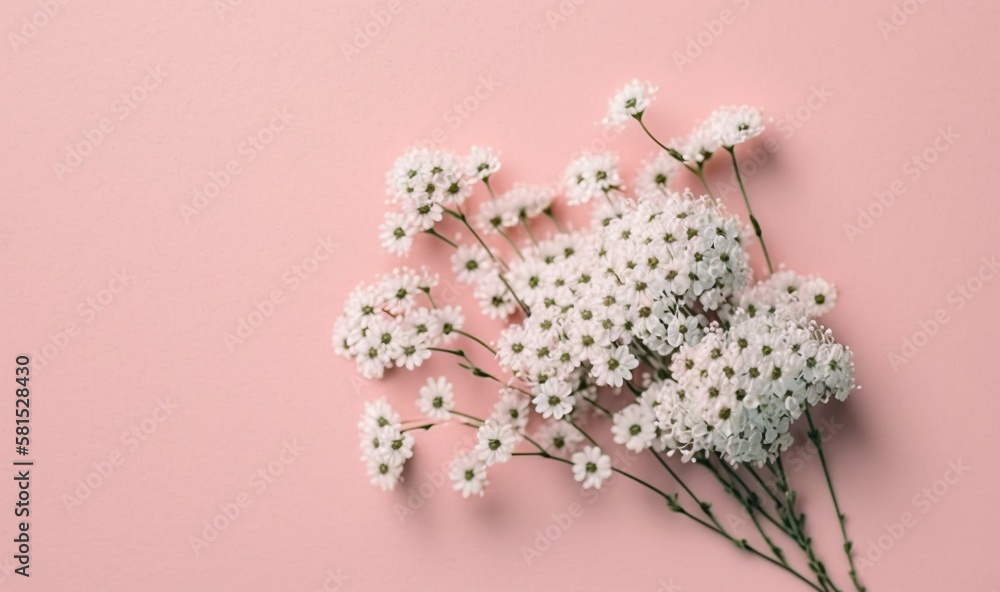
{"x": 706, "y": 507}
{"x": 476, "y": 339}
{"x": 454, "y": 352}
{"x": 700, "y": 173}
{"x": 676, "y": 156}
{"x": 425, "y": 426}
{"x": 753, "y": 220}
{"x": 467, "y": 416}
{"x": 796, "y": 523}
{"x": 471, "y": 366}
{"x": 764, "y": 486}
{"x": 676, "y": 507}
{"x": 459, "y": 215}
{"x": 669, "y": 151}
{"x": 753, "y": 499}
{"x": 437, "y": 234}
{"x": 512, "y": 244}
{"x": 477, "y": 371}
{"x": 527, "y": 229}
{"x": 596, "y": 404}
{"x": 585, "y": 434}
{"x": 524, "y": 307}
{"x": 548, "y": 212}
{"x": 817, "y": 440}
{"x": 489, "y": 187}
{"x": 427, "y": 291}
{"x": 750, "y": 505}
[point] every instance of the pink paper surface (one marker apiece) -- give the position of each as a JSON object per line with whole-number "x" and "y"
{"x": 172, "y": 170}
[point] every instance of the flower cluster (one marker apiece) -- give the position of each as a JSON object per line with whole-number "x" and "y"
{"x": 517, "y": 206}
{"x": 424, "y": 183}
{"x": 724, "y": 128}
{"x": 654, "y": 302}
{"x": 383, "y": 327}
{"x": 737, "y": 392}
{"x": 385, "y": 447}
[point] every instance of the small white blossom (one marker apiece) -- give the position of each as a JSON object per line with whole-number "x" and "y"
{"x": 468, "y": 474}
{"x": 481, "y": 163}
{"x": 496, "y": 442}
{"x": 591, "y": 467}
{"x": 734, "y": 125}
{"x": 630, "y": 101}
{"x": 553, "y": 399}
{"x": 436, "y": 399}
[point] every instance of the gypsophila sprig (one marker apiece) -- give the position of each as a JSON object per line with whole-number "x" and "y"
{"x": 642, "y": 333}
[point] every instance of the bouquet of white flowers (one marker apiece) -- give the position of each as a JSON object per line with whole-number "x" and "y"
{"x": 654, "y": 302}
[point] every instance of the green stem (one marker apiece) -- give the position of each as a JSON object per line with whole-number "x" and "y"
{"x": 467, "y": 416}
{"x": 706, "y": 507}
{"x": 471, "y": 366}
{"x": 512, "y": 244}
{"x": 753, "y": 220}
{"x": 459, "y": 215}
{"x": 817, "y": 440}
{"x": 749, "y": 503}
{"x": 700, "y": 173}
{"x": 585, "y": 434}
{"x": 596, "y": 404}
{"x": 548, "y": 212}
{"x": 437, "y": 234}
{"x": 476, "y": 339}
{"x": 425, "y": 426}
{"x": 675, "y": 506}
{"x": 753, "y": 498}
{"x": 676, "y": 156}
{"x": 796, "y": 522}
{"x": 524, "y": 307}
{"x": 527, "y": 229}
{"x": 489, "y": 187}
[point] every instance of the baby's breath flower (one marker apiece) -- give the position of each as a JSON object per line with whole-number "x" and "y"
{"x": 630, "y": 101}
{"x": 591, "y": 467}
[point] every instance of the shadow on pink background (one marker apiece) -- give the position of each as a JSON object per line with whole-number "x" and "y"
{"x": 232, "y": 161}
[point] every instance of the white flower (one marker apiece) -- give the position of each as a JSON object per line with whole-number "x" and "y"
{"x": 468, "y": 474}
{"x": 385, "y": 447}
{"x": 590, "y": 176}
{"x": 470, "y": 263}
{"x": 734, "y": 125}
{"x": 635, "y": 427}
{"x": 591, "y": 467}
{"x": 614, "y": 366}
{"x": 496, "y": 442}
{"x": 481, "y": 163}
{"x": 446, "y": 321}
{"x": 396, "y": 233}
{"x": 559, "y": 436}
{"x": 700, "y": 144}
{"x": 553, "y": 399}
{"x": 384, "y": 472}
{"x": 630, "y": 101}
{"x": 436, "y": 399}
{"x": 512, "y": 409}
{"x": 377, "y": 414}
{"x": 413, "y": 351}
{"x": 656, "y": 174}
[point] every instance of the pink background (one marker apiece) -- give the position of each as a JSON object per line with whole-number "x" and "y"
{"x": 156, "y": 337}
